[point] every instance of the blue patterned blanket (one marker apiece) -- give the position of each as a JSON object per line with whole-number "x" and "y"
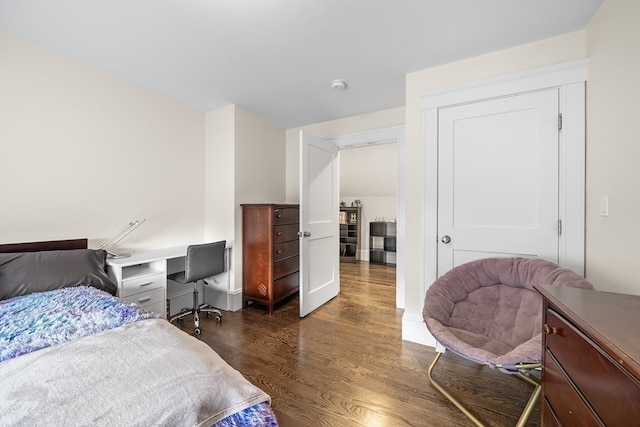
{"x": 39, "y": 320}
{"x": 44, "y": 319}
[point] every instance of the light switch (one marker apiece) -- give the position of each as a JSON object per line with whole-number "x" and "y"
{"x": 604, "y": 206}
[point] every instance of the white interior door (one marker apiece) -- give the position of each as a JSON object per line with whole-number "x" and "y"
{"x": 319, "y": 226}
{"x": 498, "y": 179}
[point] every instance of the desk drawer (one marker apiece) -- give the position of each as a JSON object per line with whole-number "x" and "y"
{"x": 141, "y": 284}
{"x": 147, "y": 298}
{"x": 601, "y": 380}
{"x": 285, "y": 233}
{"x": 286, "y": 216}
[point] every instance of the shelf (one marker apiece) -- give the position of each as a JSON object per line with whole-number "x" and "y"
{"x": 350, "y": 218}
{"x": 382, "y": 242}
{"x": 141, "y": 270}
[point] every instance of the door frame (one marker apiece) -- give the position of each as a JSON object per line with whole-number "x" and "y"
{"x": 570, "y": 78}
{"x": 385, "y": 135}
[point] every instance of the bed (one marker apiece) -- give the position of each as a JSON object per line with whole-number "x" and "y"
{"x": 71, "y": 353}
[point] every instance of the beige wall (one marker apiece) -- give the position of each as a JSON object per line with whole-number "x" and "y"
{"x": 260, "y": 171}
{"x": 613, "y": 147}
{"x": 220, "y": 169}
{"x": 83, "y": 153}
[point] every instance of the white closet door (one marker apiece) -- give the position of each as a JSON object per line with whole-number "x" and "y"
{"x": 498, "y": 179}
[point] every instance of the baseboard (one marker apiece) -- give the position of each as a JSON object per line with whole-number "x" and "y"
{"x": 414, "y": 330}
{"x": 234, "y": 300}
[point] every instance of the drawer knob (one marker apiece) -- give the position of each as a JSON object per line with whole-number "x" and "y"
{"x": 279, "y": 216}
{"x": 279, "y": 233}
{"x": 279, "y": 251}
{"x": 550, "y": 330}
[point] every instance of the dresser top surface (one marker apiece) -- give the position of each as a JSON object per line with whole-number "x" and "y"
{"x": 611, "y": 320}
{"x": 269, "y": 205}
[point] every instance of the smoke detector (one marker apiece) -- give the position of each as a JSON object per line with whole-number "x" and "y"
{"x": 338, "y": 84}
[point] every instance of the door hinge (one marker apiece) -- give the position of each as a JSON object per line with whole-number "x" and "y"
{"x": 559, "y": 227}
{"x": 559, "y": 121}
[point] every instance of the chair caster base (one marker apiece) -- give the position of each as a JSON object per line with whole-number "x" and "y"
{"x": 197, "y": 331}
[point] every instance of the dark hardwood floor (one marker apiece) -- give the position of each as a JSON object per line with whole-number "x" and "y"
{"x": 346, "y": 364}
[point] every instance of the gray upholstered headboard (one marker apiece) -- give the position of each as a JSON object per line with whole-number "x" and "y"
{"x": 43, "y": 266}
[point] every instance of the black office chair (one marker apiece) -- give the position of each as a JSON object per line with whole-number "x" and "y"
{"x": 202, "y": 261}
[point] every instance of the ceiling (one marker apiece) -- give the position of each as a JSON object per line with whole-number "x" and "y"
{"x": 277, "y": 58}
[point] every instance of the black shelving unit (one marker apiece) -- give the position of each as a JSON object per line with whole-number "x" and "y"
{"x": 349, "y": 234}
{"x": 382, "y": 243}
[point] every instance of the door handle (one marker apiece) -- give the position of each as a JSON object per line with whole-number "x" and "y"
{"x": 445, "y": 239}
{"x": 303, "y": 234}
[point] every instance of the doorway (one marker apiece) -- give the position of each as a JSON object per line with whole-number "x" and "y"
{"x": 369, "y": 172}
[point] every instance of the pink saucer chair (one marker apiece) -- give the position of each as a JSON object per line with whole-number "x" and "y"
{"x": 487, "y": 311}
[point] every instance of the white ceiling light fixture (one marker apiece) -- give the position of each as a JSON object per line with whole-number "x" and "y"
{"x": 338, "y": 84}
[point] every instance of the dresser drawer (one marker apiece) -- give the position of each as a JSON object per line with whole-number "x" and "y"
{"x": 286, "y": 267}
{"x": 285, "y": 250}
{"x": 601, "y": 380}
{"x": 286, "y": 216}
{"x": 567, "y": 405}
{"x": 549, "y": 419}
{"x": 285, "y": 233}
{"x": 140, "y": 284}
{"x": 286, "y": 285}
{"x": 146, "y": 298}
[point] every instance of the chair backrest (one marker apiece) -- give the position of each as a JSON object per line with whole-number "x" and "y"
{"x": 204, "y": 261}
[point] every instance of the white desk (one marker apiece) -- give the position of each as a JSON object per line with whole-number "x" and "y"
{"x": 142, "y": 277}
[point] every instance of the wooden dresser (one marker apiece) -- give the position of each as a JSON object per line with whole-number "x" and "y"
{"x": 591, "y": 358}
{"x": 270, "y": 248}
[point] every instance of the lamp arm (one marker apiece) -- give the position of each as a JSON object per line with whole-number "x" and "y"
{"x": 121, "y": 234}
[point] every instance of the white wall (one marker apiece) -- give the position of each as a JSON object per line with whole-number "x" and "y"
{"x": 613, "y": 147}
{"x": 83, "y": 153}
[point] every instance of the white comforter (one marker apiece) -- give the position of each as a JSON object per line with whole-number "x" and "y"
{"x": 147, "y": 373}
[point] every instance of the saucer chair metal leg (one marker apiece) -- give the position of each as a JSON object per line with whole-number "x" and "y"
{"x": 531, "y": 404}
{"x": 448, "y": 396}
{"x": 526, "y": 413}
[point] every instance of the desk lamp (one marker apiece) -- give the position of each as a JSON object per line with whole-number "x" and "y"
{"x": 118, "y": 237}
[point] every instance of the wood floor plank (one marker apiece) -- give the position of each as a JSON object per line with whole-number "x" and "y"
{"x": 346, "y": 364}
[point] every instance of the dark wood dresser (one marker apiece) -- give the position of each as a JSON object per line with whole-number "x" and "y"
{"x": 270, "y": 249}
{"x": 591, "y": 358}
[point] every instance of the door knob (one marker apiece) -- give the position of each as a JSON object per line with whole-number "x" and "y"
{"x": 305, "y": 234}
{"x": 445, "y": 239}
